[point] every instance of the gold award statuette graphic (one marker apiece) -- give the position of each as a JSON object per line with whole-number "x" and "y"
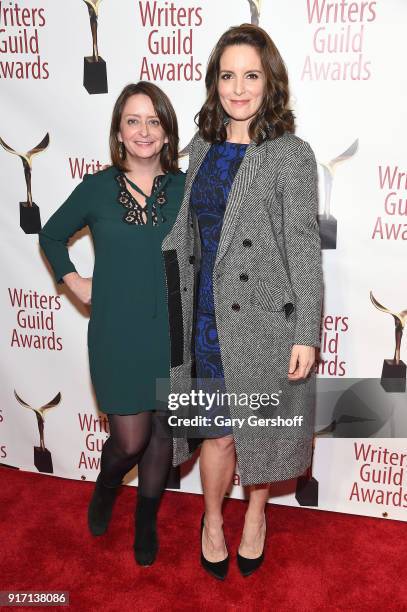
{"x": 255, "y": 6}
{"x": 30, "y": 219}
{"x": 327, "y": 223}
{"x": 306, "y": 491}
{"x": 394, "y": 370}
{"x": 307, "y": 486}
{"x": 94, "y": 66}
{"x": 42, "y": 456}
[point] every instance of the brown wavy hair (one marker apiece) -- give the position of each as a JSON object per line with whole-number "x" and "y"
{"x": 273, "y": 117}
{"x": 166, "y": 114}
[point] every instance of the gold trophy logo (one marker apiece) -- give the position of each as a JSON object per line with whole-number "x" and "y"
{"x": 328, "y": 223}
{"x": 30, "y": 219}
{"x": 42, "y": 456}
{"x": 94, "y": 66}
{"x": 306, "y": 490}
{"x": 394, "y": 370}
{"x": 255, "y": 6}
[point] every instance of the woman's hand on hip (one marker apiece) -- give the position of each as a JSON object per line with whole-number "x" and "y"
{"x": 301, "y": 361}
{"x": 81, "y": 287}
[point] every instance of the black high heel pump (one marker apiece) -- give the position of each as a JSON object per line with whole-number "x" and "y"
{"x": 218, "y": 569}
{"x": 248, "y": 566}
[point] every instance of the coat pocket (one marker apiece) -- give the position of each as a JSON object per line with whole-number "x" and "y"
{"x": 274, "y": 298}
{"x": 175, "y": 320}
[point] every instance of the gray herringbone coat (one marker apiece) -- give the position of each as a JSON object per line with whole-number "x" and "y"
{"x": 267, "y": 284}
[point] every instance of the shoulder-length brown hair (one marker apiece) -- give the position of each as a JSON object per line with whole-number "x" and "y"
{"x": 165, "y": 113}
{"x": 273, "y": 117}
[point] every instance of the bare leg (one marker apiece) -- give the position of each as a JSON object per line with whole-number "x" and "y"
{"x": 254, "y": 531}
{"x": 217, "y": 464}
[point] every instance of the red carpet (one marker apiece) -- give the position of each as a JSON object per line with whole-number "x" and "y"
{"x": 314, "y": 560}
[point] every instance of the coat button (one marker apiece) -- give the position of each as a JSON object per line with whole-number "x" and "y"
{"x": 185, "y": 289}
{"x": 235, "y": 307}
{"x": 247, "y": 242}
{"x": 244, "y": 277}
{"x": 191, "y": 259}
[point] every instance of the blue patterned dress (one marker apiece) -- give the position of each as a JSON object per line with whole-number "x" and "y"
{"x": 209, "y": 194}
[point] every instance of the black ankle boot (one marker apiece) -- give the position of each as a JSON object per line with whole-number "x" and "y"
{"x": 146, "y": 541}
{"x": 101, "y": 506}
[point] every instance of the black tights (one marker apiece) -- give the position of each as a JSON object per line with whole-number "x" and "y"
{"x": 143, "y": 439}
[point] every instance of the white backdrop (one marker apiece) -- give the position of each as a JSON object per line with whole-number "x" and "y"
{"x": 348, "y": 87}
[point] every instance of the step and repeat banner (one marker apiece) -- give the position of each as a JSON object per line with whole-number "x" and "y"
{"x": 62, "y": 65}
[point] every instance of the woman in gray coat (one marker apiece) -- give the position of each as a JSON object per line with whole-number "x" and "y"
{"x": 244, "y": 279}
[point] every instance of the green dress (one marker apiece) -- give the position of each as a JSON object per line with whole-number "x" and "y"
{"x": 128, "y": 332}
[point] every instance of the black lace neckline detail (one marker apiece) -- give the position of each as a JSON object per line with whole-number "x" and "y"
{"x": 134, "y": 211}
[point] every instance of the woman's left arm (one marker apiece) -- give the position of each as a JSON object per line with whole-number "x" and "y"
{"x": 303, "y": 252}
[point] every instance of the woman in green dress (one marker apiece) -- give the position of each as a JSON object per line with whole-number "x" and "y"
{"x": 129, "y": 208}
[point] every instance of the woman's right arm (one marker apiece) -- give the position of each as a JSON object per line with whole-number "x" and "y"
{"x": 54, "y": 237}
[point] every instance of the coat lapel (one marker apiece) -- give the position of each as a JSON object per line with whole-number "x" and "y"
{"x": 200, "y": 149}
{"x": 243, "y": 180}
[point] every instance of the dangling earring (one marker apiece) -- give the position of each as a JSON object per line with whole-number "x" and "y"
{"x": 122, "y": 150}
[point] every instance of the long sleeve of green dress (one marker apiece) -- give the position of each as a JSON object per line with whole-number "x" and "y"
{"x": 71, "y": 217}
